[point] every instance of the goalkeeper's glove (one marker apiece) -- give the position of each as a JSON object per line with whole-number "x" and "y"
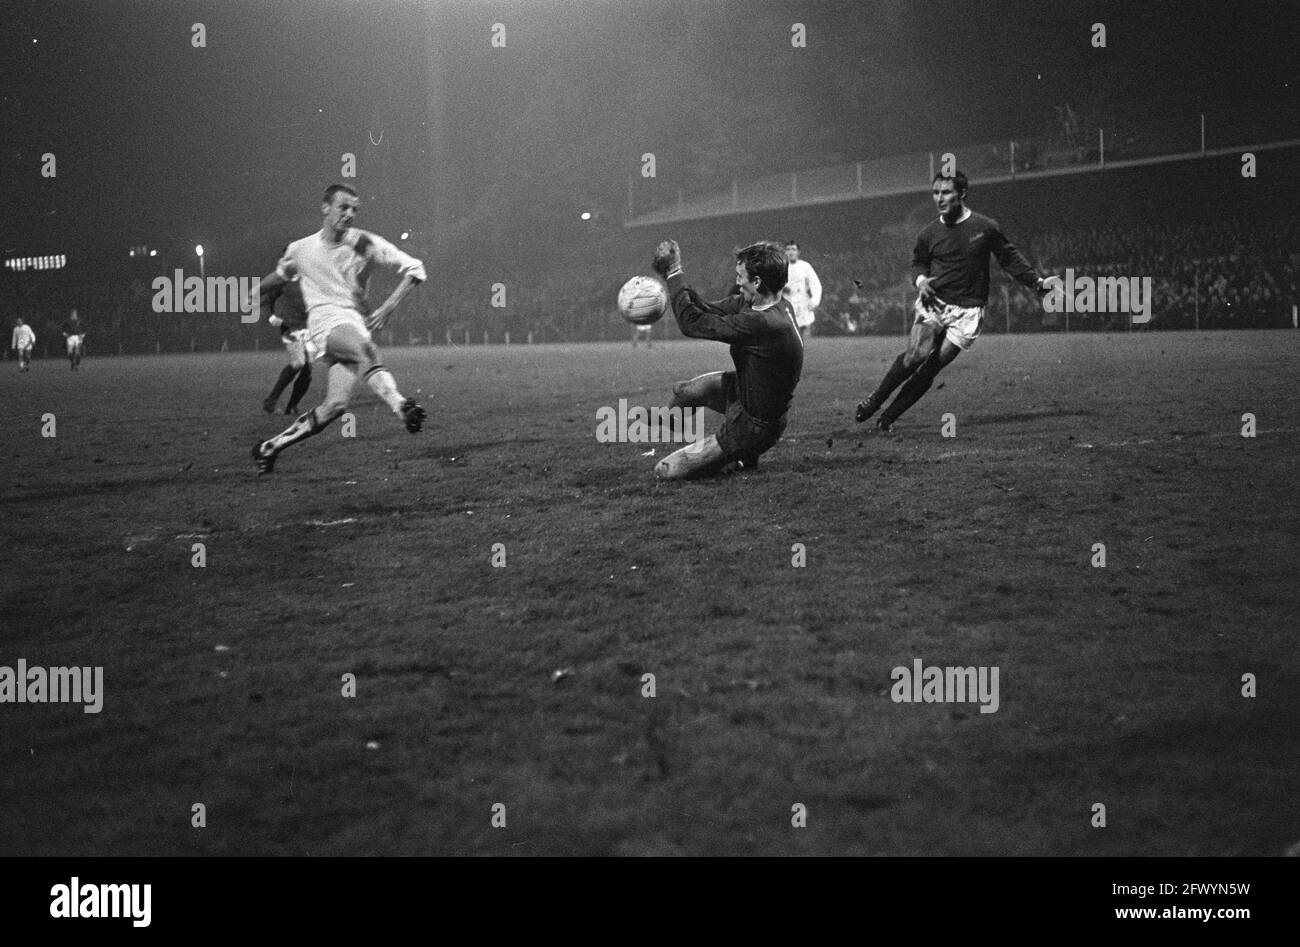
{"x": 668, "y": 259}
{"x": 276, "y": 321}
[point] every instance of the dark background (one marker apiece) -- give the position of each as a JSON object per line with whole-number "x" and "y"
{"x": 497, "y": 151}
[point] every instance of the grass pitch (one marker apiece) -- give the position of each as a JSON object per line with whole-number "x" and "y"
{"x": 522, "y": 685}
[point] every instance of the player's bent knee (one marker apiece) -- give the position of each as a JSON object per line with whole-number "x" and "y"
{"x": 363, "y": 357}
{"x": 694, "y": 387}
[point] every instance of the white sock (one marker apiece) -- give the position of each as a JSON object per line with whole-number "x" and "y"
{"x": 382, "y": 383}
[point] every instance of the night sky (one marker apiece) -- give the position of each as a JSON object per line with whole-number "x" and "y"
{"x": 161, "y": 143}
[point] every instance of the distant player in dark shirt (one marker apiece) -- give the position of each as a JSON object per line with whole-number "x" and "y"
{"x": 74, "y": 332}
{"x": 759, "y": 324}
{"x": 285, "y": 310}
{"x": 950, "y": 267}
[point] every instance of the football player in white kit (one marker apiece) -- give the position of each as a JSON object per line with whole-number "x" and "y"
{"x": 329, "y": 265}
{"x": 24, "y": 339}
{"x": 804, "y": 290}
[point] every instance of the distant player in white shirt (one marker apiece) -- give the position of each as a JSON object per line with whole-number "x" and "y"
{"x": 24, "y": 341}
{"x": 804, "y": 290}
{"x": 330, "y": 266}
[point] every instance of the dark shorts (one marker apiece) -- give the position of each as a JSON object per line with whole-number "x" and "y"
{"x": 741, "y": 434}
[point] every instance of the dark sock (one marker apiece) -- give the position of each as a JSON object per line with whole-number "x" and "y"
{"x": 300, "y": 384}
{"x": 286, "y": 376}
{"x": 916, "y": 386}
{"x": 897, "y": 374}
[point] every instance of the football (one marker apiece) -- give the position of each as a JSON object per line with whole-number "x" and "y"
{"x": 642, "y": 300}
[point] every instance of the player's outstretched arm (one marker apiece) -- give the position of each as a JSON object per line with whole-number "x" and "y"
{"x": 268, "y": 288}
{"x": 697, "y": 319}
{"x": 379, "y": 318}
{"x": 1014, "y": 263}
{"x": 269, "y": 296}
{"x": 380, "y": 251}
{"x": 1049, "y": 284}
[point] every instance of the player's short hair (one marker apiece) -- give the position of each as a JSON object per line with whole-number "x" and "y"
{"x": 958, "y": 180}
{"x": 766, "y": 260}
{"x": 792, "y": 243}
{"x": 334, "y": 189}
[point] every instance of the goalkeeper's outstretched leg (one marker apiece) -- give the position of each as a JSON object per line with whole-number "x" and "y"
{"x": 737, "y": 446}
{"x": 698, "y": 459}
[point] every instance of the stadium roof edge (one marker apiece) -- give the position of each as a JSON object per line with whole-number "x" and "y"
{"x": 676, "y": 214}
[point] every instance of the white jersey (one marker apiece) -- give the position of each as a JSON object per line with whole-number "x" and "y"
{"x": 336, "y": 274}
{"x": 804, "y": 290}
{"x": 24, "y": 337}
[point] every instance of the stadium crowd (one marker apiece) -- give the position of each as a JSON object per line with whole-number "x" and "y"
{"x": 1226, "y": 274}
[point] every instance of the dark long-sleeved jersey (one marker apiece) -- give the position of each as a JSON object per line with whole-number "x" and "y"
{"x": 286, "y": 302}
{"x": 956, "y": 258}
{"x": 765, "y": 345}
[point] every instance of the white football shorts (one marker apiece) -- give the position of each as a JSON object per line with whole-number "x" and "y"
{"x": 295, "y": 343}
{"x": 323, "y": 320}
{"x": 961, "y": 322}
